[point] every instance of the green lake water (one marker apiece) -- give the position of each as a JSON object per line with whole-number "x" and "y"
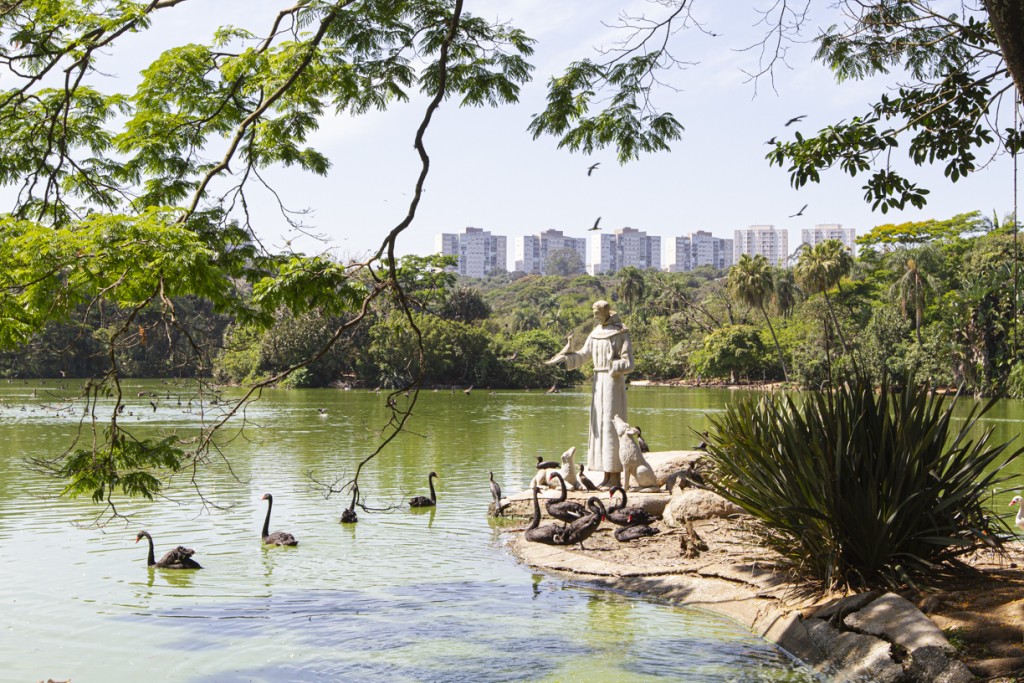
{"x": 401, "y": 596}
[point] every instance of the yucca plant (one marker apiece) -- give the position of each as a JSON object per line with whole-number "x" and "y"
{"x": 861, "y": 485}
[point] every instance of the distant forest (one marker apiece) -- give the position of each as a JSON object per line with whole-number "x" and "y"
{"x": 935, "y": 300}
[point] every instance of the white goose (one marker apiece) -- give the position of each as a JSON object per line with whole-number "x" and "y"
{"x": 1017, "y": 500}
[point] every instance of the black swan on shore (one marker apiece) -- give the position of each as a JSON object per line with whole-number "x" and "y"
{"x": 644, "y": 448}
{"x": 627, "y": 515}
{"x": 585, "y": 480}
{"x": 348, "y": 515}
{"x": 278, "y": 537}
{"x": 541, "y": 534}
{"x": 423, "y": 501}
{"x": 178, "y": 558}
{"x": 562, "y": 509}
{"x": 631, "y": 533}
{"x": 543, "y": 464}
{"x": 496, "y": 495}
{"x": 584, "y": 527}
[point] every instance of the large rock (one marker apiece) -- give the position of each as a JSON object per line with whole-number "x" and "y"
{"x": 897, "y": 619}
{"x": 853, "y": 656}
{"x": 665, "y": 463}
{"x": 697, "y": 504}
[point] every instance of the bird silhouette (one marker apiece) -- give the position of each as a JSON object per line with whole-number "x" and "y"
{"x": 595, "y": 224}
{"x": 796, "y": 119}
{"x": 800, "y": 212}
{"x": 593, "y": 167}
{"x": 771, "y": 140}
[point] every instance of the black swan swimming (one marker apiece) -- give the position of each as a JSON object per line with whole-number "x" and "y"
{"x": 543, "y": 464}
{"x": 278, "y": 537}
{"x": 585, "y": 480}
{"x": 562, "y": 509}
{"x": 584, "y": 527}
{"x": 627, "y": 515}
{"x": 631, "y": 533}
{"x": 348, "y": 515}
{"x": 423, "y": 501}
{"x": 541, "y": 534}
{"x": 496, "y": 495}
{"x": 644, "y": 448}
{"x": 179, "y": 558}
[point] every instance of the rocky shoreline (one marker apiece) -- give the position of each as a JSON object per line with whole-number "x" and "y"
{"x": 873, "y": 636}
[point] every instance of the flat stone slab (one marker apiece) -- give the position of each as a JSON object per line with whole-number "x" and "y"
{"x": 896, "y": 619}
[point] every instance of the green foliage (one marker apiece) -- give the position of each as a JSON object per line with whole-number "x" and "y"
{"x": 918, "y": 232}
{"x": 945, "y": 113}
{"x": 858, "y": 486}
{"x": 132, "y": 467}
{"x": 626, "y": 122}
{"x": 730, "y": 351}
{"x": 453, "y": 352}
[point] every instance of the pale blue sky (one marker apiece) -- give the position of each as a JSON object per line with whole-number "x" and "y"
{"x": 487, "y": 172}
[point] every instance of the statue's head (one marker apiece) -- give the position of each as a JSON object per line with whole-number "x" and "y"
{"x": 602, "y": 311}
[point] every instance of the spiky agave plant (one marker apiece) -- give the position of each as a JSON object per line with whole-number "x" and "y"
{"x": 861, "y": 485}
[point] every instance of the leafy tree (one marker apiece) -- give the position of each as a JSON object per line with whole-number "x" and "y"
{"x": 564, "y": 262}
{"x": 125, "y": 199}
{"x": 751, "y": 281}
{"x": 730, "y": 351}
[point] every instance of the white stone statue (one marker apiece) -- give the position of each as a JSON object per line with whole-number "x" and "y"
{"x": 609, "y": 347}
{"x": 634, "y": 464}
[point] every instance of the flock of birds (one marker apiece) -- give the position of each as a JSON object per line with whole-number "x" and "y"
{"x": 578, "y": 521}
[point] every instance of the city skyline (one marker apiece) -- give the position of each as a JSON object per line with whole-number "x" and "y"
{"x": 480, "y": 250}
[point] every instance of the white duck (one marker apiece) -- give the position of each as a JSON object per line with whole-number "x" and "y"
{"x": 1017, "y": 500}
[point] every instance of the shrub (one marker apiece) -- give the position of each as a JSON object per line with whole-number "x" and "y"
{"x": 859, "y": 486}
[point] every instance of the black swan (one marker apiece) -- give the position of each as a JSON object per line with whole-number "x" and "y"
{"x": 278, "y": 537}
{"x": 562, "y": 509}
{"x": 585, "y": 480}
{"x": 496, "y": 495}
{"x": 627, "y": 515}
{"x": 631, "y": 533}
{"x": 348, "y": 515}
{"x": 584, "y": 527}
{"x": 179, "y": 558}
{"x": 423, "y": 501}
{"x": 644, "y": 448}
{"x": 541, "y": 534}
{"x": 543, "y": 464}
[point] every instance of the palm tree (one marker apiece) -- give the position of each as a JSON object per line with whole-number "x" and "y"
{"x": 913, "y": 289}
{"x": 631, "y": 286}
{"x": 750, "y": 281}
{"x": 820, "y": 268}
{"x": 784, "y": 291}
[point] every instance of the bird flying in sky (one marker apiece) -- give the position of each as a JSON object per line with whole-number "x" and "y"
{"x": 593, "y": 167}
{"x": 595, "y": 224}
{"x": 795, "y": 119}
{"x": 800, "y": 212}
